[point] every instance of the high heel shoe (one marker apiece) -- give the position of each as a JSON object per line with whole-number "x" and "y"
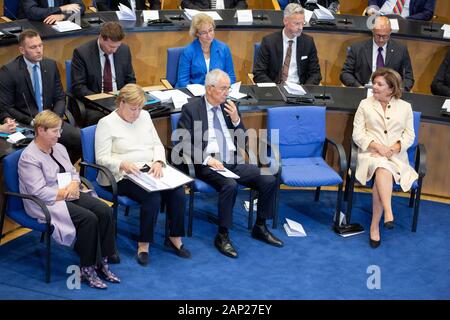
{"x": 89, "y": 275}
{"x": 389, "y": 224}
{"x": 106, "y": 274}
{"x": 374, "y": 243}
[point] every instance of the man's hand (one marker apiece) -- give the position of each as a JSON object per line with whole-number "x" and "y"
{"x": 216, "y": 164}
{"x": 72, "y": 7}
{"x": 156, "y": 170}
{"x": 51, "y": 19}
{"x": 9, "y": 126}
{"x": 232, "y": 110}
{"x": 129, "y": 167}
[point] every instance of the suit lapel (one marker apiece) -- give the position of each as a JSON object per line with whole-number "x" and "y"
{"x": 26, "y": 74}
{"x": 390, "y": 52}
{"x": 97, "y": 65}
{"x": 279, "y": 53}
{"x": 368, "y": 52}
{"x": 45, "y": 81}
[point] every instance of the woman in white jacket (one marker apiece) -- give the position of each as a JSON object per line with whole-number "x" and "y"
{"x": 383, "y": 130}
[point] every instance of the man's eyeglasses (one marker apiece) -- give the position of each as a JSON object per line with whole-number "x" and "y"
{"x": 382, "y": 36}
{"x": 223, "y": 89}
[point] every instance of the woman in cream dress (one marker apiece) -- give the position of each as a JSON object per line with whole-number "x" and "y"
{"x": 383, "y": 130}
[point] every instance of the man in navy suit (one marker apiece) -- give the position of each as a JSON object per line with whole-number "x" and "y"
{"x": 102, "y": 5}
{"x": 214, "y": 4}
{"x": 409, "y": 9}
{"x": 218, "y": 119}
{"x": 288, "y": 55}
{"x": 89, "y": 63}
{"x": 31, "y": 83}
{"x": 49, "y": 11}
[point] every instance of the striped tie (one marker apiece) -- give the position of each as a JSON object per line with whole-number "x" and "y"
{"x": 399, "y": 6}
{"x": 213, "y": 4}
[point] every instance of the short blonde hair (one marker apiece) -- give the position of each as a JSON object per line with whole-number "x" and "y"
{"x": 392, "y": 78}
{"x": 132, "y": 94}
{"x": 198, "y": 20}
{"x": 46, "y": 119}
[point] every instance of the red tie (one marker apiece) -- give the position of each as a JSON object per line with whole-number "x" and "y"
{"x": 399, "y": 6}
{"x": 107, "y": 76}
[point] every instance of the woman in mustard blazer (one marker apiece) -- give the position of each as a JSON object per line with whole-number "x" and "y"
{"x": 383, "y": 130}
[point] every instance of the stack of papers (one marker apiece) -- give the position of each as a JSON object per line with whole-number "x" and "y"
{"x": 308, "y": 15}
{"x": 323, "y": 13}
{"x": 177, "y": 97}
{"x": 446, "y": 106}
{"x": 15, "y": 137}
{"x": 294, "y": 88}
{"x": 244, "y": 16}
{"x": 394, "y": 25}
{"x": 126, "y": 13}
{"x": 150, "y": 15}
{"x": 226, "y": 173}
{"x": 190, "y": 13}
{"x": 196, "y": 89}
{"x": 266, "y": 84}
{"x": 294, "y": 229}
{"x": 63, "y": 26}
{"x": 234, "y": 93}
{"x": 446, "y": 28}
{"x": 171, "y": 178}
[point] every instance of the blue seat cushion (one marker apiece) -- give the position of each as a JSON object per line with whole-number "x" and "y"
{"x": 396, "y": 187}
{"x": 22, "y": 218}
{"x": 308, "y": 172}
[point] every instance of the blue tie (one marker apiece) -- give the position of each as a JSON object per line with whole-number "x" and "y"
{"x": 51, "y": 3}
{"x": 220, "y": 137}
{"x": 37, "y": 87}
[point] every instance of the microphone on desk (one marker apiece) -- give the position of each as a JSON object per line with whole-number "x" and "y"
{"x": 28, "y": 106}
{"x": 324, "y": 96}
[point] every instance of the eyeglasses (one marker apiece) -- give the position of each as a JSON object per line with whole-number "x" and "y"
{"x": 223, "y": 89}
{"x": 382, "y": 36}
{"x": 204, "y": 33}
{"x": 60, "y": 130}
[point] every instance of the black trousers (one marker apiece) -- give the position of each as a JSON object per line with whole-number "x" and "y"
{"x": 150, "y": 204}
{"x": 71, "y": 139}
{"x": 92, "y": 116}
{"x": 250, "y": 176}
{"x": 95, "y": 229}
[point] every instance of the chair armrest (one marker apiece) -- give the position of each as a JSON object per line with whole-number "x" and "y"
{"x": 166, "y": 83}
{"x": 87, "y": 183}
{"x": 36, "y": 200}
{"x": 420, "y": 163}
{"x": 69, "y": 117}
{"x": 263, "y": 143}
{"x": 342, "y": 157}
{"x": 276, "y": 5}
{"x": 107, "y": 173}
{"x": 79, "y": 109}
{"x": 353, "y": 156}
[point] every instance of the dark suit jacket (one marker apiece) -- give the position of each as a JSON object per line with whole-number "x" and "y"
{"x": 358, "y": 65}
{"x": 86, "y": 73}
{"x": 15, "y": 82}
{"x": 441, "y": 82}
{"x": 39, "y": 10}
{"x": 206, "y": 4}
{"x": 269, "y": 62}
{"x": 102, "y": 5}
{"x": 418, "y": 9}
{"x": 195, "y": 110}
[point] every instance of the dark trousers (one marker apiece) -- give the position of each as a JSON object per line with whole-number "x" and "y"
{"x": 250, "y": 176}
{"x": 150, "y": 204}
{"x": 71, "y": 139}
{"x": 92, "y": 116}
{"x": 95, "y": 229}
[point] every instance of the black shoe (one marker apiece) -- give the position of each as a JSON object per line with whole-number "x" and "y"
{"x": 113, "y": 259}
{"x": 142, "y": 258}
{"x": 389, "y": 224}
{"x": 263, "y": 234}
{"x": 182, "y": 252}
{"x": 223, "y": 244}
{"x": 89, "y": 275}
{"x": 106, "y": 274}
{"x": 374, "y": 244}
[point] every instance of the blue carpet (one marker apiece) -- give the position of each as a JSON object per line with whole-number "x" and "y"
{"x": 320, "y": 266}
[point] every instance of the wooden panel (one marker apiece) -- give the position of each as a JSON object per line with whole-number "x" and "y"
{"x": 260, "y": 4}
{"x": 355, "y": 7}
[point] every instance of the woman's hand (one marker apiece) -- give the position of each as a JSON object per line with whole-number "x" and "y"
{"x": 396, "y": 147}
{"x": 381, "y": 150}
{"x": 129, "y": 167}
{"x": 156, "y": 170}
{"x": 73, "y": 190}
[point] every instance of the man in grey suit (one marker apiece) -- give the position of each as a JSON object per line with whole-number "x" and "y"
{"x": 214, "y": 4}
{"x": 288, "y": 55}
{"x": 101, "y": 65}
{"x": 364, "y": 57}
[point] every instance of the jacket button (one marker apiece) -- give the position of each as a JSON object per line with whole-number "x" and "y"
{"x": 385, "y": 131}
{"x": 388, "y": 118}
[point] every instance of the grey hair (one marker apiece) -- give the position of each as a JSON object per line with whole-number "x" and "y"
{"x": 212, "y": 77}
{"x": 293, "y": 8}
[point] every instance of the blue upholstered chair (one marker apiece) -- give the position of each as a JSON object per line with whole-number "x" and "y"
{"x": 302, "y": 150}
{"x": 417, "y": 159}
{"x": 14, "y": 209}
{"x": 173, "y": 55}
{"x": 11, "y": 8}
